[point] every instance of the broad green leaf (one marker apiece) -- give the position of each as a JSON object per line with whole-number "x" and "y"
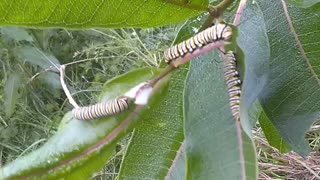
{"x": 160, "y": 137}
{"x": 256, "y": 64}
{"x": 211, "y": 133}
{"x": 304, "y": 3}
{"x": 97, "y": 13}
{"x": 291, "y": 97}
{"x": 17, "y": 34}
{"x": 80, "y": 148}
{"x": 36, "y": 56}
{"x": 11, "y": 93}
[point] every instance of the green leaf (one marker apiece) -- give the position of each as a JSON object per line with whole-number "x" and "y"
{"x": 256, "y": 64}
{"x": 272, "y": 134}
{"x": 161, "y": 135}
{"x": 11, "y": 93}
{"x": 35, "y": 56}
{"x": 303, "y": 3}
{"x": 107, "y": 13}
{"x": 211, "y": 133}
{"x": 291, "y": 97}
{"x": 178, "y": 168}
{"x": 80, "y": 148}
{"x": 157, "y": 139}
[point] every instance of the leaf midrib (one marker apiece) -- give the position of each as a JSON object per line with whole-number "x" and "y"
{"x": 93, "y": 147}
{"x": 296, "y": 38}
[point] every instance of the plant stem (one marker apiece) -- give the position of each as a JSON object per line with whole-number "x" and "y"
{"x": 215, "y": 12}
{"x": 165, "y": 72}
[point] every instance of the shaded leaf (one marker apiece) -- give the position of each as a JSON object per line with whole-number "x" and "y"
{"x": 273, "y": 137}
{"x": 291, "y": 96}
{"x": 211, "y": 133}
{"x": 157, "y": 139}
{"x": 80, "y": 148}
{"x": 161, "y": 135}
{"x": 256, "y": 64}
{"x": 304, "y": 3}
{"x": 11, "y": 93}
{"x": 35, "y": 56}
{"x": 17, "y": 34}
{"x": 84, "y": 14}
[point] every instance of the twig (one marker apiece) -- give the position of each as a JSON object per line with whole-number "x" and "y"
{"x": 65, "y": 89}
{"x": 239, "y": 12}
{"x": 51, "y": 68}
{"x": 165, "y": 72}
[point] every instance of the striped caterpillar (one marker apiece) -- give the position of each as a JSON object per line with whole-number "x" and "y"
{"x": 231, "y": 76}
{"x": 102, "y": 109}
{"x": 200, "y": 41}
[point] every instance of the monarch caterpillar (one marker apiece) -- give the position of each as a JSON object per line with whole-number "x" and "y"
{"x": 102, "y": 109}
{"x": 212, "y": 34}
{"x": 231, "y": 76}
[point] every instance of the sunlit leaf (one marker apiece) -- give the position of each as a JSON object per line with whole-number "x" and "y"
{"x": 97, "y": 13}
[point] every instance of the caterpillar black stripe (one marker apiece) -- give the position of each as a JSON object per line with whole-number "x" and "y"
{"x": 212, "y": 34}
{"x": 102, "y": 109}
{"x": 231, "y": 76}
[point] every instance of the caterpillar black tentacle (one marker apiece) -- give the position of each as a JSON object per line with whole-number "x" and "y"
{"x": 212, "y": 34}
{"x": 231, "y": 76}
{"x": 102, "y": 109}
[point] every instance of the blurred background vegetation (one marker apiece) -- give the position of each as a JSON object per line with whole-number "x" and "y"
{"x": 33, "y": 102}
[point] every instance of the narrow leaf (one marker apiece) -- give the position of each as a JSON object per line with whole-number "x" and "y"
{"x": 80, "y": 148}
{"x": 291, "y": 96}
{"x": 17, "y": 34}
{"x": 272, "y": 134}
{"x": 35, "y": 56}
{"x": 106, "y": 13}
{"x": 11, "y": 94}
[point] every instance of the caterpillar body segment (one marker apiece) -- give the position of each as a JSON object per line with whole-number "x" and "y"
{"x": 231, "y": 76}
{"x": 218, "y": 32}
{"x": 102, "y": 109}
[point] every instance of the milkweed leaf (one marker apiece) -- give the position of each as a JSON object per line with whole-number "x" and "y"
{"x": 97, "y": 13}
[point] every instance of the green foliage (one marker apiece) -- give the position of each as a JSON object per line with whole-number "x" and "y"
{"x": 290, "y": 97}
{"x": 11, "y": 93}
{"x": 83, "y": 14}
{"x": 164, "y": 126}
{"x": 304, "y": 3}
{"x": 75, "y": 151}
{"x": 277, "y": 44}
{"x": 210, "y": 127}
